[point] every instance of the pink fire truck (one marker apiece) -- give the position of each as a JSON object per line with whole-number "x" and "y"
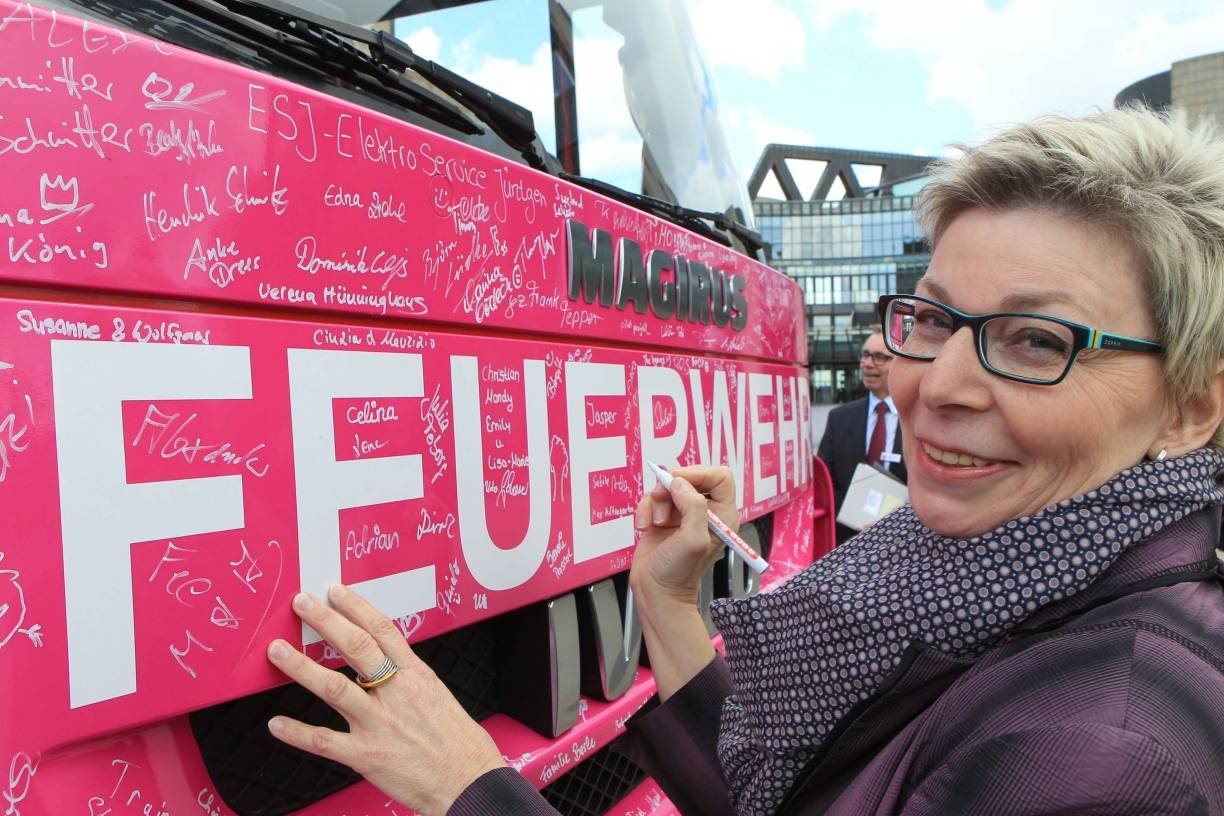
{"x": 283, "y": 303}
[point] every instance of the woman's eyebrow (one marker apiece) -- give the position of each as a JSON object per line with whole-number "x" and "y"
{"x": 1036, "y": 300}
{"x": 1024, "y": 301}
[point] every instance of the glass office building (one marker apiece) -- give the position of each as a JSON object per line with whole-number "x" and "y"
{"x": 844, "y": 254}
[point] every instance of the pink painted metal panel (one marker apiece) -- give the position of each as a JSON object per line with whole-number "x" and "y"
{"x": 824, "y": 533}
{"x": 173, "y": 470}
{"x": 203, "y": 602}
{"x": 131, "y": 165}
{"x": 159, "y": 767}
{"x": 646, "y": 799}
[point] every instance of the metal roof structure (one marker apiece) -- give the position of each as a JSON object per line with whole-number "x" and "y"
{"x": 834, "y": 165}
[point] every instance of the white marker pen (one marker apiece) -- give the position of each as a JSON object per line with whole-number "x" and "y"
{"x": 721, "y": 531}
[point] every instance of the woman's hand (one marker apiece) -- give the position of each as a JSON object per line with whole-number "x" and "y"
{"x": 676, "y": 547}
{"x": 673, "y": 555}
{"x": 409, "y": 736}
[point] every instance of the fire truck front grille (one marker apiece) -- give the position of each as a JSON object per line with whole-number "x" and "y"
{"x": 257, "y": 775}
{"x": 595, "y": 785}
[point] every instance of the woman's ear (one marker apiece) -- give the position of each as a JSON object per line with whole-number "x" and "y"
{"x": 1195, "y": 421}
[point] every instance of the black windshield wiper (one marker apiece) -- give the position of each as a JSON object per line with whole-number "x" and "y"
{"x": 695, "y": 220}
{"x": 262, "y": 33}
{"x": 264, "y": 42}
{"x": 387, "y": 58}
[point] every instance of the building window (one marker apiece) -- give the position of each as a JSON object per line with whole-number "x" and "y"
{"x": 844, "y": 255}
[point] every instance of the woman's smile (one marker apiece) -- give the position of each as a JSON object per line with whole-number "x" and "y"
{"x": 948, "y": 466}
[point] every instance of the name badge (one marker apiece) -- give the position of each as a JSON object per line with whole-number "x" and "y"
{"x": 891, "y": 458}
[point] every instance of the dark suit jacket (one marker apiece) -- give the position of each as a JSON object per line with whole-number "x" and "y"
{"x": 844, "y": 446}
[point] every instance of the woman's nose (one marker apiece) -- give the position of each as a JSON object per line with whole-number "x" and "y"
{"x": 956, "y": 376}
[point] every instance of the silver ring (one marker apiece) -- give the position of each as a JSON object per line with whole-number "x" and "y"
{"x": 384, "y": 673}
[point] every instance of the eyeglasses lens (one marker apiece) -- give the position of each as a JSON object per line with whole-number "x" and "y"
{"x": 916, "y": 328}
{"x": 1032, "y": 348}
{"x": 1028, "y": 347}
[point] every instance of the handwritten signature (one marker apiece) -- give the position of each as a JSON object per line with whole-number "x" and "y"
{"x": 21, "y": 772}
{"x": 13, "y": 610}
{"x": 168, "y": 443}
{"x": 13, "y": 432}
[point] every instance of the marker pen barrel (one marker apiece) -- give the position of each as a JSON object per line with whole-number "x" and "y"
{"x": 720, "y": 530}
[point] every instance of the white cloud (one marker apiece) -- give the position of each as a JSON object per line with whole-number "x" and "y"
{"x": 613, "y": 157}
{"x": 610, "y": 147}
{"x": 749, "y": 130}
{"x": 601, "y": 87}
{"x": 762, "y": 38}
{"x": 1030, "y": 57}
{"x": 426, "y": 43}
{"x": 528, "y": 84}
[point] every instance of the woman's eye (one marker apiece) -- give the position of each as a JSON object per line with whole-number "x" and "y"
{"x": 933, "y": 319}
{"x": 1039, "y": 340}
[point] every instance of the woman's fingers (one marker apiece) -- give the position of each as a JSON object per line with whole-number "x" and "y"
{"x": 719, "y": 484}
{"x": 659, "y": 507}
{"x": 330, "y": 686}
{"x": 656, "y": 508}
{"x": 693, "y": 509}
{"x": 716, "y": 482}
{"x": 356, "y": 645}
{"x": 390, "y": 641}
{"x": 641, "y": 515}
{"x": 324, "y": 742}
{"x": 662, "y": 511}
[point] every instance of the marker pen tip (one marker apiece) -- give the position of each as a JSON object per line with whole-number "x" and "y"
{"x": 661, "y": 474}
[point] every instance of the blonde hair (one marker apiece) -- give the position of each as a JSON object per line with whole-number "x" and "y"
{"x": 1151, "y": 179}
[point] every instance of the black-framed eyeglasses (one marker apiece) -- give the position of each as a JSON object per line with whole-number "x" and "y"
{"x": 1021, "y": 346}
{"x": 877, "y": 357}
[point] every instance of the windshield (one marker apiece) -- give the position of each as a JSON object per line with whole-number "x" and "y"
{"x": 617, "y": 91}
{"x": 643, "y": 105}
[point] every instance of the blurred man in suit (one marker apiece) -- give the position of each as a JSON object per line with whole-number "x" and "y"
{"x": 865, "y": 430}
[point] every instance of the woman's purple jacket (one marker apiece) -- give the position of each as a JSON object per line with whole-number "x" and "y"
{"x": 1109, "y": 703}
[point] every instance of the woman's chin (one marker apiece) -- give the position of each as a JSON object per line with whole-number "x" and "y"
{"x": 951, "y": 519}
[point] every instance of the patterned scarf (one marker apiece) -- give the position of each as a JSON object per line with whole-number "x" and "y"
{"x": 804, "y": 654}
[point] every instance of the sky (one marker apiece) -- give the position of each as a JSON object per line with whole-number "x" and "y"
{"x": 900, "y": 76}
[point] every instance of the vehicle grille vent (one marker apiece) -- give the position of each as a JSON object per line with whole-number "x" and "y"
{"x": 257, "y": 775}
{"x": 595, "y": 785}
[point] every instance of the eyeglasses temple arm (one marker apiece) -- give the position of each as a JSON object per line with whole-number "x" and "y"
{"x": 1118, "y": 342}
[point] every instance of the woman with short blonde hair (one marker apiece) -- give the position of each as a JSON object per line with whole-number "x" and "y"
{"x": 1152, "y": 182}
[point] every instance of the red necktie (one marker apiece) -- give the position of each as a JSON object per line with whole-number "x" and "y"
{"x": 878, "y": 435}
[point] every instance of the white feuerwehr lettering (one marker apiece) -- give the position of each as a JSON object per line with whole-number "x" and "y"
{"x": 587, "y": 456}
{"x": 326, "y": 486}
{"x": 788, "y": 430}
{"x": 655, "y": 381}
{"x": 494, "y": 567}
{"x": 763, "y": 487}
{"x": 803, "y": 410}
{"x": 102, "y": 515}
{"x": 720, "y": 431}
